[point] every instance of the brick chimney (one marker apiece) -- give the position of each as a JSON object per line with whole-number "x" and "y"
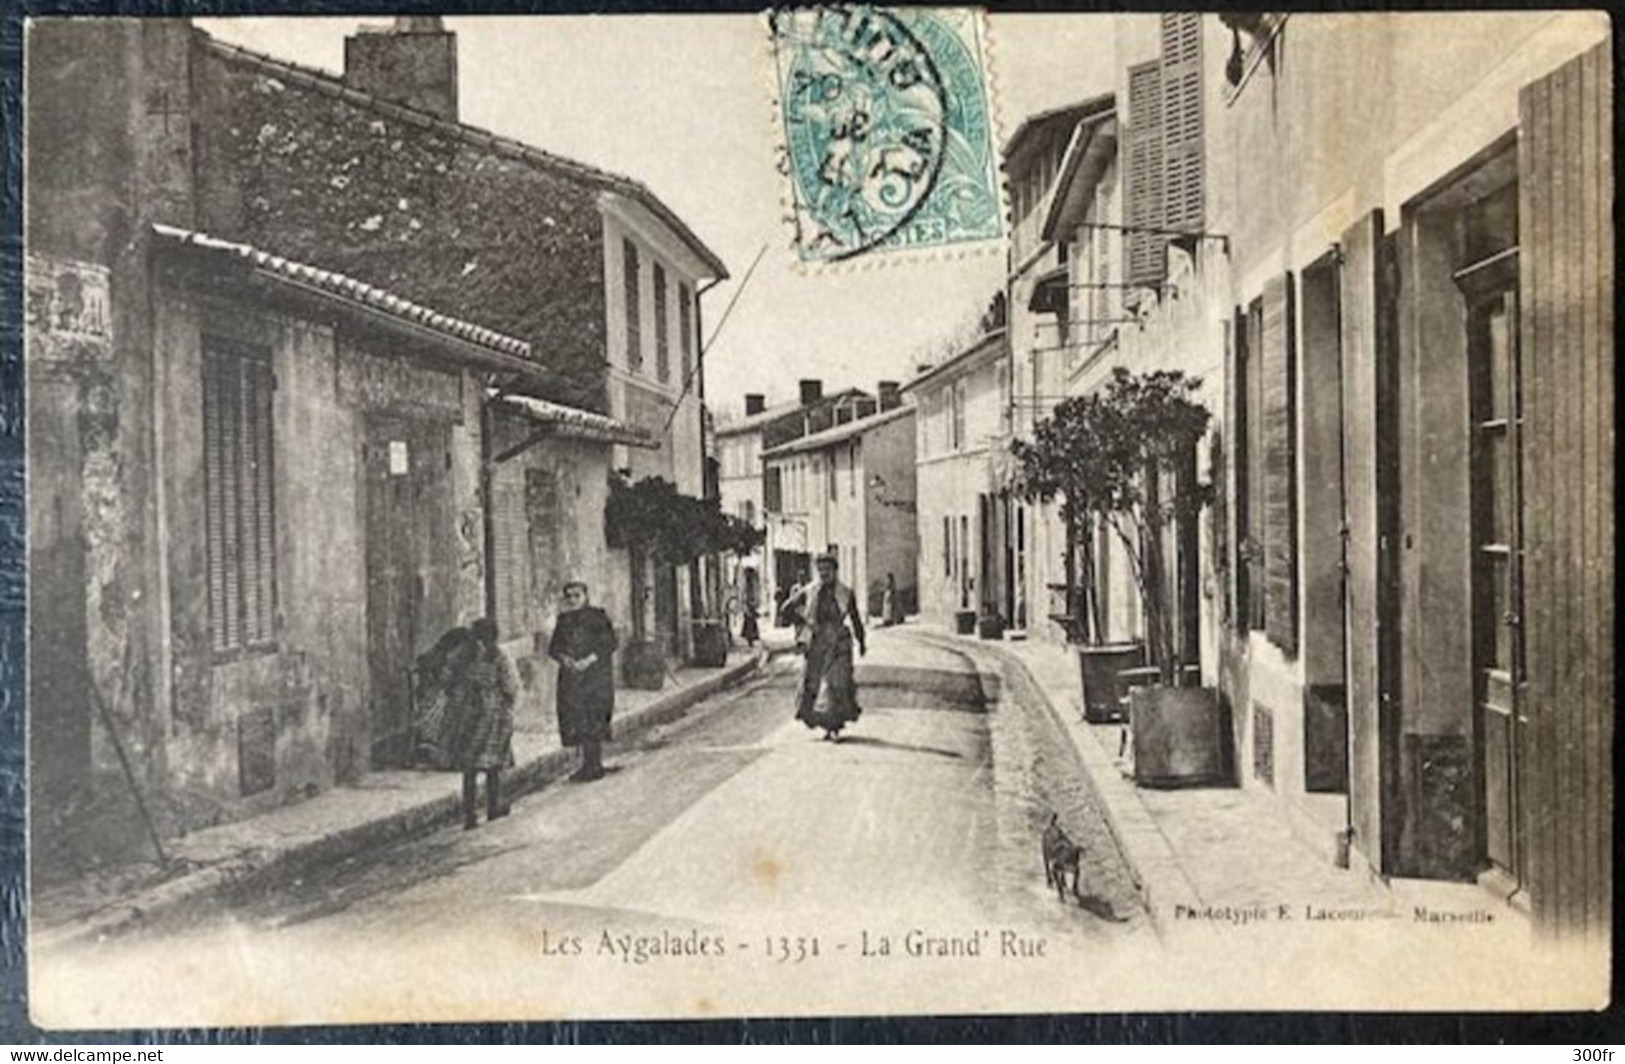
{"x": 811, "y": 391}
{"x": 755, "y": 403}
{"x": 412, "y": 62}
{"x": 891, "y": 395}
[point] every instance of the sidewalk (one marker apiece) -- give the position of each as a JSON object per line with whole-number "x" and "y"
{"x": 384, "y": 807}
{"x": 1208, "y": 846}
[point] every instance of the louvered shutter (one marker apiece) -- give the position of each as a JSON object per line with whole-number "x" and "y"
{"x": 1146, "y": 262}
{"x": 239, "y": 495}
{"x": 1224, "y": 478}
{"x": 215, "y": 509}
{"x": 1181, "y": 89}
{"x": 1278, "y": 365}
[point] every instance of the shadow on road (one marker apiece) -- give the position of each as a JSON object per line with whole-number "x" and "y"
{"x": 869, "y": 740}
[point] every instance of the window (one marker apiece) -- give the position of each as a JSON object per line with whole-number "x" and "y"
{"x": 633, "y": 299}
{"x": 852, "y": 469}
{"x": 830, "y": 473}
{"x": 685, "y": 326}
{"x": 947, "y": 546}
{"x": 239, "y": 499}
{"x": 662, "y": 328}
{"x": 957, "y": 428}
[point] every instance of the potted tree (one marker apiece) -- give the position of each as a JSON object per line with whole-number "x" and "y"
{"x": 1142, "y": 431}
{"x": 1076, "y": 456}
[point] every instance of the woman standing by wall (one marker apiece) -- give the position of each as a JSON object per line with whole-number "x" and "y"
{"x": 584, "y": 645}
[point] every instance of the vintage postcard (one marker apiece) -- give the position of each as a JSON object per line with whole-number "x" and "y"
{"x": 836, "y": 511}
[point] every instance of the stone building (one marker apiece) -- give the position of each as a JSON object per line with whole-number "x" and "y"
{"x": 269, "y": 308}
{"x": 849, "y": 490}
{"x": 1411, "y": 313}
{"x": 782, "y": 560}
{"x": 968, "y": 528}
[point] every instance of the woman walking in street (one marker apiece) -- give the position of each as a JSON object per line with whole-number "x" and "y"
{"x": 828, "y": 696}
{"x": 584, "y": 646}
{"x": 485, "y": 737}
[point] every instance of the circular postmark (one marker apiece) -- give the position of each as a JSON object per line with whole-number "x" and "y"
{"x": 864, "y": 109}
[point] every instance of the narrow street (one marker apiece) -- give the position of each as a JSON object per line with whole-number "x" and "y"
{"x": 733, "y": 822}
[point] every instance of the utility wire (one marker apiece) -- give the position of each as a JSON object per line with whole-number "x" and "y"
{"x": 705, "y": 348}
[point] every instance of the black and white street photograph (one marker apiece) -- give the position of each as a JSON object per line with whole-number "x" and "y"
{"x": 830, "y": 511}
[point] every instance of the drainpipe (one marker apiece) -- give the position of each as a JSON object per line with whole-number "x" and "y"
{"x": 488, "y": 534}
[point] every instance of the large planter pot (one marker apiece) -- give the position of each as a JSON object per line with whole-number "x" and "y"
{"x": 710, "y": 644}
{"x": 990, "y": 627}
{"x": 643, "y": 666}
{"x": 1103, "y": 689}
{"x": 1177, "y": 740}
{"x": 965, "y": 622}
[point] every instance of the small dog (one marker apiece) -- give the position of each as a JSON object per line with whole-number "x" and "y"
{"x": 1061, "y": 859}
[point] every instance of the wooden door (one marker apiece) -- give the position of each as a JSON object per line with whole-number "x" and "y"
{"x": 411, "y": 568}
{"x": 60, "y": 693}
{"x": 1370, "y": 486}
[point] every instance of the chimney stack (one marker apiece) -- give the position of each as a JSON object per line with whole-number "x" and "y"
{"x": 811, "y": 391}
{"x": 412, "y": 62}
{"x": 891, "y": 396}
{"x": 755, "y": 403}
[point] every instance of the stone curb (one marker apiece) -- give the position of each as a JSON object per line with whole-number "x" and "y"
{"x": 241, "y": 874}
{"x": 1151, "y": 860}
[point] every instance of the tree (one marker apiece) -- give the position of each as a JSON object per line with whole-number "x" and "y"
{"x": 1125, "y": 457}
{"x": 652, "y": 516}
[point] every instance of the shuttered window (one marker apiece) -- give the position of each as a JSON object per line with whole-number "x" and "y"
{"x": 634, "y": 310}
{"x": 239, "y": 494}
{"x": 1278, "y": 388}
{"x": 685, "y": 326}
{"x": 1249, "y": 466}
{"x": 662, "y": 327}
{"x": 1181, "y": 88}
{"x": 1145, "y": 173}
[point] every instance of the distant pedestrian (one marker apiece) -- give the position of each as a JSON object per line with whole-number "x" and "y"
{"x": 828, "y": 696}
{"x": 748, "y": 629}
{"x": 485, "y": 735}
{"x": 584, "y": 646}
{"x": 891, "y": 604}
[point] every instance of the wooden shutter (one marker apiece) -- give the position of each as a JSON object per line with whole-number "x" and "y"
{"x": 1146, "y": 262}
{"x": 1221, "y": 453}
{"x": 259, "y": 576}
{"x": 1236, "y": 435}
{"x": 239, "y": 495}
{"x": 634, "y": 308}
{"x": 1359, "y": 336}
{"x": 685, "y": 323}
{"x": 217, "y": 495}
{"x": 1278, "y": 366}
{"x": 1566, "y": 357}
{"x": 1181, "y": 89}
{"x": 662, "y": 326}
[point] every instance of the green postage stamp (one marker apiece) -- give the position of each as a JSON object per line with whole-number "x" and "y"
{"x": 887, "y": 128}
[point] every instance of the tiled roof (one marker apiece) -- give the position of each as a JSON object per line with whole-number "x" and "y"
{"x": 846, "y": 431}
{"x": 323, "y": 81}
{"x": 774, "y": 413}
{"x": 347, "y": 287}
{"x": 571, "y": 421}
{"x": 983, "y": 343}
{"x": 1068, "y": 115}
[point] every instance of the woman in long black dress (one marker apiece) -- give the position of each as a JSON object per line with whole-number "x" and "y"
{"x": 584, "y": 646}
{"x": 828, "y": 616}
